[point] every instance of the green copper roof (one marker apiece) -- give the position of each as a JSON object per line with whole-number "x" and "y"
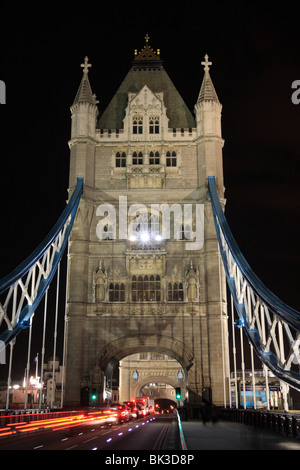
{"x": 152, "y": 74}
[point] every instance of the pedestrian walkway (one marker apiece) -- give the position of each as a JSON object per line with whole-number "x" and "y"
{"x": 233, "y": 436}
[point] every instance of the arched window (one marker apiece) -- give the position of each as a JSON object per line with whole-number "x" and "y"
{"x": 154, "y": 125}
{"x": 154, "y": 226}
{"x": 116, "y": 292}
{"x": 122, "y": 292}
{"x": 135, "y": 376}
{"x": 120, "y": 160}
{"x": 185, "y": 232}
{"x": 175, "y": 292}
{"x": 140, "y": 223}
{"x": 107, "y": 232}
{"x": 145, "y": 288}
{"x": 137, "y": 158}
{"x": 170, "y": 292}
{"x": 171, "y": 159}
{"x": 137, "y": 125}
{"x": 154, "y": 158}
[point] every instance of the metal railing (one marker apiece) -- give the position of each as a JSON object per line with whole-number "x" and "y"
{"x": 287, "y": 424}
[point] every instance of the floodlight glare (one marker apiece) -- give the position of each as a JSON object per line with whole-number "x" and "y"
{"x": 145, "y": 237}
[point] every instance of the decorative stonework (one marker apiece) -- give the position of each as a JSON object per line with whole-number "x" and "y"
{"x": 99, "y": 285}
{"x": 192, "y": 279}
{"x": 146, "y": 264}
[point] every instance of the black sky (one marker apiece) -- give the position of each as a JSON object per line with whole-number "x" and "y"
{"x": 255, "y": 55}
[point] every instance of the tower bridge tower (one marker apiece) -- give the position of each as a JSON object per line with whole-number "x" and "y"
{"x": 144, "y": 272}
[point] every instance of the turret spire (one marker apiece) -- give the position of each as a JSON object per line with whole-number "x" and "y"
{"x": 207, "y": 91}
{"x": 86, "y": 65}
{"x": 206, "y": 63}
{"x": 84, "y": 93}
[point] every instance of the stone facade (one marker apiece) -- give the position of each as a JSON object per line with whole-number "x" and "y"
{"x": 151, "y": 375}
{"x": 162, "y": 293}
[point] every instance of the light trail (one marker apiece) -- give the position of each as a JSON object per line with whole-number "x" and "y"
{"x": 59, "y": 423}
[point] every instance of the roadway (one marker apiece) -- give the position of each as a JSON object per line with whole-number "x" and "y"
{"x": 152, "y": 433}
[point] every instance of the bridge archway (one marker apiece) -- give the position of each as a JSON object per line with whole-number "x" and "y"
{"x": 125, "y": 346}
{"x": 144, "y": 386}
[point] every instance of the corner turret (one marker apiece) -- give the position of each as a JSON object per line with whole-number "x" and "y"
{"x": 84, "y": 108}
{"x": 84, "y": 113}
{"x": 208, "y": 111}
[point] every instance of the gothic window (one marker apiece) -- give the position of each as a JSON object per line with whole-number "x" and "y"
{"x": 171, "y": 159}
{"x": 154, "y": 224}
{"x": 137, "y": 158}
{"x": 185, "y": 232}
{"x": 137, "y": 125}
{"x": 154, "y": 125}
{"x": 140, "y": 223}
{"x": 116, "y": 292}
{"x": 157, "y": 357}
{"x": 145, "y": 288}
{"x": 107, "y": 232}
{"x": 141, "y": 228}
{"x": 154, "y": 158}
{"x": 175, "y": 292}
{"x": 135, "y": 376}
{"x": 120, "y": 160}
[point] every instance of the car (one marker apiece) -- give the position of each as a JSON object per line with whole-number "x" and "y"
{"x": 136, "y": 411}
{"x": 124, "y": 412}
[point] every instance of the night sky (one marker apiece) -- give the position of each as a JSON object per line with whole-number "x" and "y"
{"x": 255, "y": 59}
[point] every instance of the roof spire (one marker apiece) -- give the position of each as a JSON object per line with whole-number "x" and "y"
{"x": 207, "y": 91}
{"x": 206, "y": 63}
{"x": 84, "y": 93}
{"x": 86, "y": 65}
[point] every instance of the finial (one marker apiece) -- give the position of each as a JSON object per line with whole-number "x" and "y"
{"x": 147, "y": 54}
{"x": 206, "y": 63}
{"x": 86, "y": 65}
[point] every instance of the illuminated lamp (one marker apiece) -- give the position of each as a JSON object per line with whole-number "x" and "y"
{"x": 144, "y": 236}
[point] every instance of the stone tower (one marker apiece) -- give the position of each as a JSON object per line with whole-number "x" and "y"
{"x": 144, "y": 272}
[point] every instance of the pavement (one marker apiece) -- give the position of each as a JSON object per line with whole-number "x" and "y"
{"x": 233, "y": 436}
